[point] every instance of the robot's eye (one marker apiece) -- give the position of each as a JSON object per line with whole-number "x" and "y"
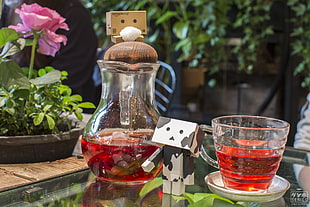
{"x": 181, "y": 131}
{"x": 122, "y": 21}
{"x": 168, "y": 129}
{"x": 134, "y": 21}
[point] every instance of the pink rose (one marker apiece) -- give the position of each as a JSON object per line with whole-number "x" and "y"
{"x": 45, "y": 21}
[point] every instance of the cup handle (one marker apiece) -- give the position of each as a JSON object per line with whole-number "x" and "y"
{"x": 203, "y": 154}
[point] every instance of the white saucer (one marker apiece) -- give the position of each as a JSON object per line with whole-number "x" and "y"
{"x": 275, "y": 191}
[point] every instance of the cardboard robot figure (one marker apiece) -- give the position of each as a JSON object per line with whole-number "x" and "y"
{"x": 126, "y": 25}
{"x": 181, "y": 142}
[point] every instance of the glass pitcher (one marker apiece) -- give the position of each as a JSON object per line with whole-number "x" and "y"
{"x": 116, "y": 140}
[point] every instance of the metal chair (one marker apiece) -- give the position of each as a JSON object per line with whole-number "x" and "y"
{"x": 165, "y": 84}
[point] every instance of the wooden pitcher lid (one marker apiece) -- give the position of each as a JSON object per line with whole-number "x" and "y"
{"x": 131, "y": 52}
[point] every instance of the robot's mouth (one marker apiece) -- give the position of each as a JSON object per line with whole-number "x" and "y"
{"x": 171, "y": 138}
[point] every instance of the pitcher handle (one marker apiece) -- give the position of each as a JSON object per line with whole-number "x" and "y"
{"x": 203, "y": 154}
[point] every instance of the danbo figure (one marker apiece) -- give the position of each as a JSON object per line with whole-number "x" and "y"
{"x": 181, "y": 142}
{"x": 117, "y": 21}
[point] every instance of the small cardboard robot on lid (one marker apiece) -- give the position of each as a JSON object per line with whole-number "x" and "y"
{"x": 181, "y": 142}
{"x": 126, "y": 25}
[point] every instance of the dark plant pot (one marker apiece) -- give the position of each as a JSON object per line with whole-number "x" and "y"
{"x": 193, "y": 81}
{"x": 38, "y": 148}
{"x": 193, "y": 77}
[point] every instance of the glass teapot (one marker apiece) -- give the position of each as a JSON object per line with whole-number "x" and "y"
{"x": 116, "y": 139}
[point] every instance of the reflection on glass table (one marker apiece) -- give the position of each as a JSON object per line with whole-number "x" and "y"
{"x": 82, "y": 189}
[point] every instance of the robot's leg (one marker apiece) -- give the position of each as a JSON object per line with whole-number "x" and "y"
{"x": 167, "y": 186}
{"x": 178, "y": 187}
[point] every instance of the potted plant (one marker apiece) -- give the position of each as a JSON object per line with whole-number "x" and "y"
{"x": 195, "y": 31}
{"x": 34, "y": 103}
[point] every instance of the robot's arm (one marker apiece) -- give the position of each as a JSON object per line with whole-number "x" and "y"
{"x": 153, "y": 160}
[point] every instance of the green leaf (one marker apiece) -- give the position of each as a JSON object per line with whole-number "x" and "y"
{"x": 300, "y": 67}
{"x": 152, "y": 38}
{"x": 6, "y": 35}
{"x": 76, "y": 97}
{"x": 13, "y": 47}
{"x": 178, "y": 198}
{"x": 3, "y": 101}
{"x": 10, "y": 111}
{"x": 65, "y": 90}
{"x": 221, "y": 198}
{"x": 189, "y": 197}
{"x": 182, "y": 43}
{"x": 50, "y": 121}
{"x": 78, "y": 110}
{"x": 10, "y": 103}
{"x": 187, "y": 49}
{"x": 194, "y": 63}
{"x": 64, "y": 73}
{"x": 269, "y": 31}
{"x": 166, "y": 17}
{"x": 87, "y": 105}
{"x": 180, "y": 29}
{"x": 78, "y": 115}
{"x": 300, "y": 9}
{"x": 49, "y": 69}
{"x": 38, "y": 119}
{"x": 49, "y": 78}
{"x": 292, "y": 2}
{"x": 212, "y": 83}
{"x": 47, "y": 107}
{"x": 206, "y": 202}
{"x": 202, "y": 38}
{"x": 66, "y": 100}
{"x": 22, "y": 93}
{"x": 148, "y": 187}
{"x": 11, "y": 74}
{"x": 41, "y": 72}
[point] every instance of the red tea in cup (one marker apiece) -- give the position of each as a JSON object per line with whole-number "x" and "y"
{"x": 248, "y": 169}
{"x": 249, "y": 150}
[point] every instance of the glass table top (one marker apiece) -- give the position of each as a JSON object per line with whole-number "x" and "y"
{"x": 81, "y": 188}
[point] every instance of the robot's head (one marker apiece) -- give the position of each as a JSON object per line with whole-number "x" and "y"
{"x": 118, "y": 20}
{"x": 178, "y": 133}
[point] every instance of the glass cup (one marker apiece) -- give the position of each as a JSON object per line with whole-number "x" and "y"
{"x": 249, "y": 150}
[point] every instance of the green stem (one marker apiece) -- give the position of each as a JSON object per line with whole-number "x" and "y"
{"x": 33, "y": 52}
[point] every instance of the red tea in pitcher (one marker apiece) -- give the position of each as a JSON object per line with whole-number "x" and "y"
{"x": 248, "y": 169}
{"x": 119, "y": 159}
